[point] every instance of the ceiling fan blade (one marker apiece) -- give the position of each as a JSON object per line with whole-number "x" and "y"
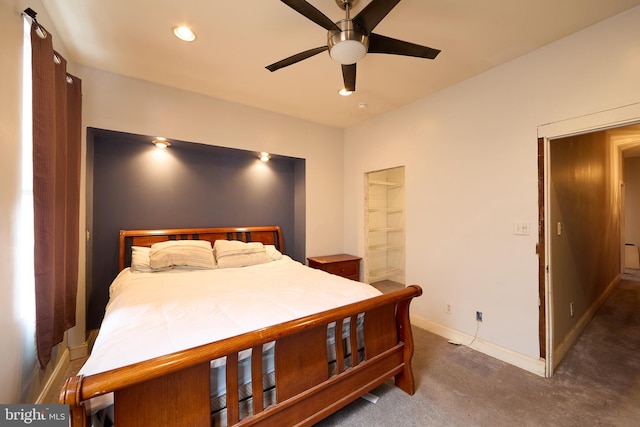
{"x": 349, "y": 77}
{"x": 304, "y": 8}
{"x": 384, "y": 44}
{"x": 373, "y": 13}
{"x": 295, "y": 58}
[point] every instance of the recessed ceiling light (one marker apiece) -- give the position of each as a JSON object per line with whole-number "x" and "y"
{"x": 184, "y": 33}
{"x": 264, "y": 156}
{"x": 345, "y": 92}
{"x": 161, "y": 142}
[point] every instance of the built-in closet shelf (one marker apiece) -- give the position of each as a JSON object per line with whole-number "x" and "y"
{"x": 384, "y": 273}
{"x": 386, "y": 229}
{"x": 386, "y": 210}
{"x": 385, "y": 183}
{"x": 385, "y": 221}
{"x": 378, "y": 248}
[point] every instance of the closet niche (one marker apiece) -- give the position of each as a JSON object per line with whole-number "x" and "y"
{"x": 384, "y": 221}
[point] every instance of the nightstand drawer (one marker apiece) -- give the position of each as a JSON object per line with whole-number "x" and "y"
{"x": 345, "y": 268}
{"x": 344, "y": 265}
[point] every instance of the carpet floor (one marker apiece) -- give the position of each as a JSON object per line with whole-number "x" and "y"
{"x": 596, "y": 384}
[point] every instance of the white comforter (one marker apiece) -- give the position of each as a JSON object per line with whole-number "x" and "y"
{"x": 153, "y": 314}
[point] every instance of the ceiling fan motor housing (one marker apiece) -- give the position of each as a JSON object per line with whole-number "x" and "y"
{"x": 349, "y": 44}
{"x": 343, "y": 4}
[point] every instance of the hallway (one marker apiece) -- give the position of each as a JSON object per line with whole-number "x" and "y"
{"x": 607, "y": 355}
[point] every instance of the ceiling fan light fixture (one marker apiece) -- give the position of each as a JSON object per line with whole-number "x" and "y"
{"x": 349, "y": 45}
{"x": 348, "y": 52}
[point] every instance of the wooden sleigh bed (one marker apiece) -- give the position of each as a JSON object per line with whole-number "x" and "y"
{"x": 174, "y": 389}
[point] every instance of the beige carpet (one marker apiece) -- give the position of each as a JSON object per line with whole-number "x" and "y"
{"x": 597, "y": 384}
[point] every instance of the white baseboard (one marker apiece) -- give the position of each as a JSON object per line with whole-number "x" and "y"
{"x": 79, "y": 352}
{"x": 533, "y": 365}
{"x": 562, "y": 348}
{"x": 56, "y": 377}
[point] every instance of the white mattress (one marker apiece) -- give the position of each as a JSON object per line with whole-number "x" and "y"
{"x": 153, "y": 314}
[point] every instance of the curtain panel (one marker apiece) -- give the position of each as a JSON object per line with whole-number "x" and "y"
{"x": 57, "y": 105}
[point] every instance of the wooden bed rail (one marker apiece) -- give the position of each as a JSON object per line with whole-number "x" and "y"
{"x": 174, "y": 389}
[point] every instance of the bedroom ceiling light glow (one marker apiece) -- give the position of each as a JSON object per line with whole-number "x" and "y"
{"x": 264, "y": 156}
{"x": 184, "y": 33}
{"x": 161, "y": 142}
{"x": 345, "y": 92}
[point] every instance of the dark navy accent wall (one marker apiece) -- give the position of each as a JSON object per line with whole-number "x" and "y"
{"x": 139, "y": 186}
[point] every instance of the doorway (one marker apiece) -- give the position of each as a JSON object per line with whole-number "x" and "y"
{"x": 628, "y": 139}
{"x": 581, "y": 222}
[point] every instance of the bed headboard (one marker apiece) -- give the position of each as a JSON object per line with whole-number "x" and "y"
{"x": 268, "y": 235}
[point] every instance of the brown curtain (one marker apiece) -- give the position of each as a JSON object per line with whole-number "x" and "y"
{"x": 57, "y": 101}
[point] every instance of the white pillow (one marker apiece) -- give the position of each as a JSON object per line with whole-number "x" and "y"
{"x": 140, "y": 262}
{"x": 234, "y": 253}
{"x": 182, "y": 253}
{"x": 273, "y": 253}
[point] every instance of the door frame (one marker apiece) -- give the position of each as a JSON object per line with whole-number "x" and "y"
{"x": 541, "y": 250}
{"x": 606, "y": 119}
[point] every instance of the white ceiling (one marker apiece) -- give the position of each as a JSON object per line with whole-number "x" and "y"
{"x": 237, "y": 39}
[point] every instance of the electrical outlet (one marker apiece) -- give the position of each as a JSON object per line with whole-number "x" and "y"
{"x": 478, "y": 316}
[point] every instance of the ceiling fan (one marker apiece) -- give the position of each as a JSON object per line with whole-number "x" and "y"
{"x": 349, "y": 40}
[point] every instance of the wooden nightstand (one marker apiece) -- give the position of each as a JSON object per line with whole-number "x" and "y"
{"x": 342, "y": 265}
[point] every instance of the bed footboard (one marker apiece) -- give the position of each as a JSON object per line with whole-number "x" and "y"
{"x": 173, "y": 390}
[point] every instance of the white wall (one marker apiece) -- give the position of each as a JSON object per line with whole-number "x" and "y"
{"x": 470, "y": 153}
